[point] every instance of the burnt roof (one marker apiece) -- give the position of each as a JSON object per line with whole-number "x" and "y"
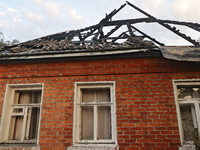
{"x": 94, "y": 38}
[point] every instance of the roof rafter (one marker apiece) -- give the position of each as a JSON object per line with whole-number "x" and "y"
{"x": 173, "y": 29}
{"x": 95, "y": 37}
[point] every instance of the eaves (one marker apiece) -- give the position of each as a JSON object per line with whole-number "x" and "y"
{"x": 81, "y": 55}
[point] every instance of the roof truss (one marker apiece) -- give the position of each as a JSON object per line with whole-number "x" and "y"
{"x": 95, "y": 33}
{"x": 94, "y": 37}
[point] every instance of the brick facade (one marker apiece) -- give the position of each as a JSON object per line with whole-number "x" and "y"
{"x": 146, "y": 112}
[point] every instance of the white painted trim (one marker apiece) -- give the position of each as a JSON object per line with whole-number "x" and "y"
{"x": 8, "y": 100}
{"x": 39, "y": 125}
{"x": 98, "y": 84}
{"x": 194, "y": 101}
{"x": 185, "y": 80}
{"x": 5, "y": 97}
{"x": 74, "y": 118}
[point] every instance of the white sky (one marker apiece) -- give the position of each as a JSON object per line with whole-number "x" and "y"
{"x": 29, "y": 19}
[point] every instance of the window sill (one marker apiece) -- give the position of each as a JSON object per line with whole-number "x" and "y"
{"x": 187, "y": 147}
{"x": 21, "y": 142}
{"x": 18, "y": 147}
{"x": 94, "y": 147}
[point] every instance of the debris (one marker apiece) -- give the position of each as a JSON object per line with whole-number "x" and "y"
{"x": 94, "y": 37}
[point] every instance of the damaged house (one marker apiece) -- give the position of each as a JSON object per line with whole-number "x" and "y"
{"x": 85, "y": 90}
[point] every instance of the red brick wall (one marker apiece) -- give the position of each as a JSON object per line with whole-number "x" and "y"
{"x": 146, "y": 113}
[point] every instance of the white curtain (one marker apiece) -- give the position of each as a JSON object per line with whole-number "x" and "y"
{"x": 103, "y": 114}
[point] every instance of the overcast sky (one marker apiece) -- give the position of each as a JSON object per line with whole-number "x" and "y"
{"x": 29, "y": 19}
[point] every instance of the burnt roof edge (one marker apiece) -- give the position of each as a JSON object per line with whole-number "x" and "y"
{"x": 83, "y": 55}
{"x": 181, "y": 53}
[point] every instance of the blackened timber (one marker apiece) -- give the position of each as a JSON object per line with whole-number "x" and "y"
{"x": 113, "y": 41}
{"x": 147, "y": 36}
{"x": 180, "y": 22}
{"x": 141, "y": 37}
{"x": 114, "y": 12}
{"x": 179, "y": 33}
{"x": 112, "y": 31}
{"x": 194, "y": 27}
{"x": 86, "y": 41}
{"x": 97, "y": 34}
{"x": 191, "y": 25}
{"x": 130, "y": 21}
{"x": 140, "y": 10}
{"x": 165, "y": 25}
{"x": 89, "y": 33}
{"x": 130, "y": 30}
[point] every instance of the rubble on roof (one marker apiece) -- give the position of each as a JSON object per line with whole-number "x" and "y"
{"x": 42, "y": 45}
{"x": 95, "y": 38}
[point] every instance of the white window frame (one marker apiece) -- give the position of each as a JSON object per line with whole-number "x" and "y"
{"x": 8, "y": 107}
{"x": 77, "y": 116}
{"x": 195, "y": 101}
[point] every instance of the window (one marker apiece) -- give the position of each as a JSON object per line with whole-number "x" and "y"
{"x": 21, "y": 114}
{"x": 94, "y": 115}
{"x": 187, "y": 96}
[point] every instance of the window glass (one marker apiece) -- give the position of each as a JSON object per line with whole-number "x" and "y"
{"x": 192, "y": 91}
{"x": 21, "y": 113}
{"x": 32, "y": 123}
{"x": 100, "y": 95}
{"x": 27, "y": 97}
{"x": 17, "y": 110}
{"x": 87, "y": 123}
{"x": 16, "y": 127}
{"x": 189, "y": 121}
{"x": 104, "y": 122}
{"x": 95, "y": 113}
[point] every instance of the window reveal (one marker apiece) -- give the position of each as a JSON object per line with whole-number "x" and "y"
{"x": 25, "y": 116}
{"x": 188, "y": 100}
{"x": 188, "y": 122}
{"x": 94, "y": 98}
{"x": 21, "y": 113}
{"x": 95, "y": 106}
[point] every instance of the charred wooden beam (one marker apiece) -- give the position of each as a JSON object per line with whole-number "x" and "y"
{"x": 124, "y": 22}
{"x": 114, "y": 40}
{"x": 130, "y": 30}
{"x": 180, "y": 22}
{"x": 173, "y": 29}
{"x": 97, "y": 34}
{"x": 140, "y": 10}
{"x": 114, "y": 12}
{"x": 86, "y": 41}
{"x": 89, "y": 33}
{"x": 165, "y": 25}
{"x": 147, "y": 36}
{"x": 112, "y": 31}
{"x": 194, "y": 26}
{"x": 191, "y": 25}
{"x": 110, "y": 38}
{"x": 64, "y": 40}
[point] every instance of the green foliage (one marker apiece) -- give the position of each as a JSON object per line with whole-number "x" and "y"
{"x": 198, "y": 40}
{"x": 7, "y": 43}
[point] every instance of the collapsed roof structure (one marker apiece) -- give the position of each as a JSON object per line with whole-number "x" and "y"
{"x": 94, "y": 39}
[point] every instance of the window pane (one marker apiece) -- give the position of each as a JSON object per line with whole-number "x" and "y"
{"x": 189, "y": 91}
{"x": 32, "y": 123}
{"x": 99, "y": 95}
{"x": 17, "y": 110}
{"x": 188, "y": 118}
{"x": 87, "y": 123}
{"x": 27, "y": 97}
{"x": 104, "y": 122}
{"x": 16, "y": 127}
